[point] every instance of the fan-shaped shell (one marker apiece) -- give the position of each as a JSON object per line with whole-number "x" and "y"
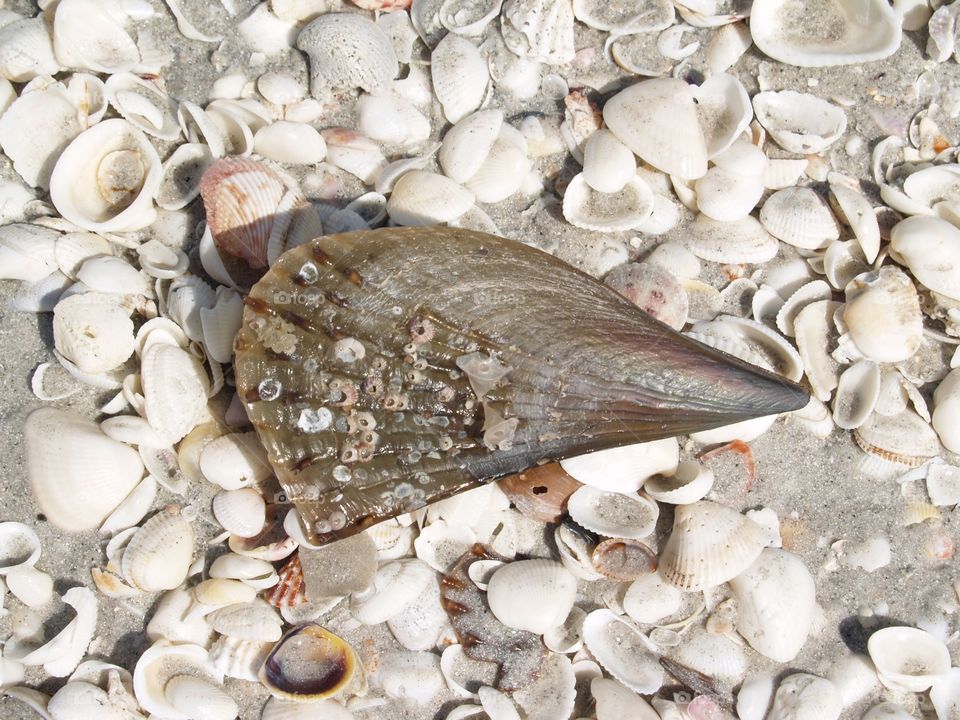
{"x": 709, "y": 545}
{"x": 159, "y": 554}
{"x": 175, "y": 389}
{"x": 801, "y": 217}
{"x": 241, "y": 512}
{"x": 425, "y": 198}
{"x": 714, "y": 655}
{"x": 845, "y": 32}
{"x": 657, "y": 119}
{"x": 347, "y": 50}
{"x": 533, "y": 595}
{"x": 26, "y": 50}
{"x": 740, "y": 241}
{"x": 650, "y": 598}
{"x": 539, "y": 29}
{"x": 460, "y": 76}
{"x": 883, "y": 315}
{"x": 77, "y": 474}
{"x": 905, "y": 438}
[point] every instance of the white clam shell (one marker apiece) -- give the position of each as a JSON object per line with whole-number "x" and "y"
{"x": 724, "y": 109}
{"x": 607, "y": 212}
{"x": 347, "y": 50}
{"x": 180, "y": 182}
{"x": 241, "y": 512}
{"x": 799, "y": 122}
{"x": 608, "y": 164}
{"x": 133, "y": 508}
{"x": 467, "y": 144}
{"x": 161, "y": 261}
{"x": 26, "y": 50}
{"x": 726, "y": 196}
{"x": 280, "y": 88}
{"x": 390, "y": 119}
{"x": 857, "y": 212}
{"x": 754, "y": 696}
{"x": 945, "y": 695}
{"x": 36, "y": 128}
{"x": 624, "y": 469}
{"x": 159, "y": 555}
{"x": 883, "y": 316}
{"x": 805, "y": 697}
{"x": 904, "y": 438}
{"x": 930, "y": 248}
{"x": 657, "y": 120}
{"x": 106, "y": 179}
{"x": 643, "y": 17}
{"x": 355, "y": 153}
{"x": 162, "y": 662}
{"x": 859, "y": 32}
{"x": 613, "y": 701}
{"x": 742, "y": 157}
{"x": 650, "y": 598}
{"x": 740, "y": 241}
{"x": 689, "y": 483}
{"x": 857, "y": 392}
{"x": 28, "y": 252}
{"x": 241, "y": 659}
{"x": 539, "y": 29}
{"x": 199, "y": 699}
{"x": 623, "y": 651}
{"x": 783, "y": 172}
{"x": 257, "y": 573}
{"x": 801, "y": 217}
{"x": 221, "y": 592}
{"x": 502, "y": 173}
{"x": 88, "y": 36}
{"x": 419, "y": 625}
{"x": 19, "y": 547}
{"x": 814, "y": 331}
{"x": 460, "y": 76}
{"x": 776, "y": 604}
{"x": 290, "y": 142}
{"x": 110, "y": 274}
{"x": 709, "y": 545}
{"x": 908, "y": 659}
{"x": 425, "y": 198}
{"x": 255, "y": 621}
{"x": 186, "y": 297}
{"x": 534, "y": 595}
{"x": 77, "y": 474}
{"x": 61, "y": 655}
{"x": 234, "y": 461}
{"x": 144, "y": 105}
{"x": 716, "y": 656}
{"x": 613, "y": 514}
{"x": 171, "y": 413}
{"x": 440, "y": 544}
{"x": 396, "y": 585}
{"x": 803, "y": 296}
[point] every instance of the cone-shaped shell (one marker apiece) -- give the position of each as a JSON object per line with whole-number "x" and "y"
{"x": 709, "y": 545}
{"x": 520, "y": 358}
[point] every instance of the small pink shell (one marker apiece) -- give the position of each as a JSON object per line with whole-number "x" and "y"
{"x": 290, "y": 591}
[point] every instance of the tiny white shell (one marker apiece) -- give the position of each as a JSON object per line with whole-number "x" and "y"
{"x": 650, "y": 598}
{"x": 608, "y": 164}
{"x": 162, "y": 662}
{"x": 741, "y": 241}
{"x": 241, "y": 512}
{"x": 355, "y": 153}
{"x": 234, "y": 461}
{"x": 159, "y": 554}
{"x": 390, "y": 119}
{"x": 280, "y": 88}
{"x": 723, "y": 106}
{"x": 857, "y": 393}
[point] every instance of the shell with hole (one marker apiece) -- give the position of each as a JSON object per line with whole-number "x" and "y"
{"x": 709, "y": 545}
{"x": 106, "y": 179}
{"x": 533, "y": 595}
{"x": 77, "y": 474}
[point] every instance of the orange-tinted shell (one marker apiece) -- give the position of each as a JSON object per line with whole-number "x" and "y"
{"x": 290, "y": 591}
{"x": 624, "y": 559}
{"x": 540, "y": 492}
{"x": 309, "y": 663}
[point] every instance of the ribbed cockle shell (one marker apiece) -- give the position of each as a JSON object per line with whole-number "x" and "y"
{"x": 387, "y": 369}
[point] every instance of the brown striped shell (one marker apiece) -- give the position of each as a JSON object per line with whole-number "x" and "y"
{"x": 387, "y": 369}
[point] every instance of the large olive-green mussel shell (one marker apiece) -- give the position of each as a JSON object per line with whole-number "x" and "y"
{"x": 387, "y": 369}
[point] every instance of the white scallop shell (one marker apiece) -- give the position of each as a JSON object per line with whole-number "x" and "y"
{"x": 159, "y": 554}
{"x": 626, "y": 468}
{"x": 847, "y": 33}
{"x": 77, "y": 474}
{"x": 776, "y": 604}
{"x": 241, "y": 512}
{"x": 533, "y": 595}
{"x": 650, "y": 598}
{"x": 418, "y": 626}
{"x": 803, "y": 296}
{"x": 783, "y": 172}
{"x": 198, "y": 698}
{"x": 241, "y": 659}
{"x": 175, "y": 389}
{"x": 799, "y": 122}
{"x": 657, "y": 120}
{"x": 28, "y": 252}
{"x": 355, "y": 153}
{"x": 607, "y": 212}
{"x": 106, "y": 179}
{"x": 90, "y": 35}
{"x": 36, "y": 128}
{"x": 234, "y": 461}
{"x": 539, "y": 29}
{"x": 612, "y": 514}
{"x": 347, "y": 50}
{"x": 143, "y": 105}
{"x": 908, "y": 659}
{"x": 425, "y": 198}
{"x": 709, "y": 545}
{"x": 290, "y": 142}
{"x": 623, "y": 651}
{"x": 26, "y": 50}
{"x": 608, "y": 164}
{"x": 801, "y": 217}
{"x": 904, "y": 438}
{"x": 390, "y": 119}
{"x": 161, "y": 663}
{"x": 883, "y": 316}
{"x": 467, "y": 144}
{"x": 689, "y": 483}
{"x": 857, "y": 392}
{"x": 741, "y": 241}
{"x": 726, "y": 196}
{"x": 396, "y": 585}
{"x": 930, "y": 248}
{"x": 460, "y": 76}
{"x": 805, "y": 696}
{"x": 716, "y": 656}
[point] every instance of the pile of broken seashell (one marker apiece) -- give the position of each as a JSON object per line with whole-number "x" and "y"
{"x": 737, "y": 172}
